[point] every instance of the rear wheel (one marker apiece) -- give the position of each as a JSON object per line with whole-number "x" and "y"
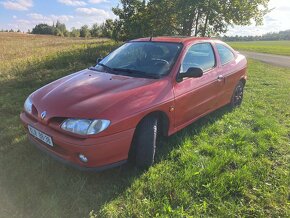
{"x": 145, "y": 142}
{"x": 238, "y": 94}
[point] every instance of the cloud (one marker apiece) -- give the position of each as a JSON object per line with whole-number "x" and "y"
{"x": 78, "y": 19}
{"x": 32, "y": 19}
{"x": 18, "y": 5}
{"x": 73, "y": 2}
{"x": 276, "y": 20}
{"x": 92, "y": 12}
{"x": 97, "y": 1}
{"x": 36, "y": 18}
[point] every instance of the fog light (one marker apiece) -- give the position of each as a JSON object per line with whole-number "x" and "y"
{"x": 83, "y": 158}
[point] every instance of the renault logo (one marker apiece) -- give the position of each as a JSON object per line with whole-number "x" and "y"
{"x": 43, "y": 114}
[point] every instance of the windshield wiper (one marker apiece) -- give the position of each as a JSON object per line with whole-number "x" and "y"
{"x": 137, "y": 73}
{"x": 93, "y": 68}
{"x": 108, "y": 69}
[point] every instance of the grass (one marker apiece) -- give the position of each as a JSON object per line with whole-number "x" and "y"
{"x": 269, "y": 47}
{"x": 230, "y": 163}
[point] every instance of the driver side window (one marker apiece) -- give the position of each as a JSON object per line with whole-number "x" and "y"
{"x": 199, "y": 55}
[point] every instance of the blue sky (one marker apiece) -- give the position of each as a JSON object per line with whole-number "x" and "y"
{"x": 25, "y": 14}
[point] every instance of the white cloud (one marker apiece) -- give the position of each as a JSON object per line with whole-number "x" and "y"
{"x": 39, "y": 18}
{"x": 73, "y": 2}
{"x": 77, "y": 20}
{"x": 36, "y": 16}
{"x": 97, "y": 1}
{"x": 276, "y": 20}
{"x": 33, "y": 19}
{"x": 18, "y": 5}
{"x": 92, "y": 12}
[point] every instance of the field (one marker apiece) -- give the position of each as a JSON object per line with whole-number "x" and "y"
{"x": 269, "y": 47}
{"x": 230, "y": 163}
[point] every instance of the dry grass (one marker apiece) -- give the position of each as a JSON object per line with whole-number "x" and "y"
{"x": 228, "y": 164}
{"x": 18, "y": 48}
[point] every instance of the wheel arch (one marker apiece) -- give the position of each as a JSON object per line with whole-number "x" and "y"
{"x": 163, "y": 125}
{"x": 243, "y": 80}
{"x": 163, "y": 121}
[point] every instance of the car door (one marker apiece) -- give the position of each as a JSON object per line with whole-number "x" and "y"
{"x": 227, "y": 70}
{"x": 197, "y": 96}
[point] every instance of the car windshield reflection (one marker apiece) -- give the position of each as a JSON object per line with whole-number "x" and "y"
{"x": 141, "y": 59}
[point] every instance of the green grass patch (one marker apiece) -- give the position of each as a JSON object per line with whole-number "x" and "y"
{"x": 229, "y": 163}
{"x": 32, "y": 184}
{"x": 269, "y": 47}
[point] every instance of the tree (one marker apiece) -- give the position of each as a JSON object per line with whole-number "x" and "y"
{"x": 75, "y": 32}
{"x": 60, "y": 29}
{"x": 132, "y": 18}
{"x": 118, "y": 32}
{"x": 85, "y": 32}
{"x": 139, "y": 18}
{"x": 96, "y": 30}
{"x": 43, "y": 29}
{"x": 107, "y": 28}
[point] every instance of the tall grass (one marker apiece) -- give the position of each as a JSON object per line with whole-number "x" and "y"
{"x": 230, "y": 163}
{"x": 31, "y": 184}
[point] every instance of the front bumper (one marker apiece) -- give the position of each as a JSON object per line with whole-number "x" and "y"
{"x": 102, "y": 152}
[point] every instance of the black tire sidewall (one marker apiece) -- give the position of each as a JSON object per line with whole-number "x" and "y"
{"x": 145, "y": 142}
{"x": 232, "y": 104}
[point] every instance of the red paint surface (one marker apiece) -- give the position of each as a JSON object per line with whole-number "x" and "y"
{"x": 125, "y": 101}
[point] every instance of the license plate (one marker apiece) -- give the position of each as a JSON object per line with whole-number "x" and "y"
{"x": 41, "y": 136}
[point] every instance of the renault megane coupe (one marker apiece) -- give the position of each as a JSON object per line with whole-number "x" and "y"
{"x": 105, "y": 115}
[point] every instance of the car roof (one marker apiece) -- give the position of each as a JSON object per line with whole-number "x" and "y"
{"x": 176, "y": 39}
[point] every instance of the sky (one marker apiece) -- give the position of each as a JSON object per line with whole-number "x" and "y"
{"x": 25, "y": 14}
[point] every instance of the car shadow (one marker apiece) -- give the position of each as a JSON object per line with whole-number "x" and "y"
{"x": 167, "y": 144}
{"x": 34, "y": 185}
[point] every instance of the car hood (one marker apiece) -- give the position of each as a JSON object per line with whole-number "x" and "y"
{"x": 93, "y": 94}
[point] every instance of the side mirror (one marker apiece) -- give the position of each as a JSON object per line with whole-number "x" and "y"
{"x": 192, "y": 72}
{"x": 99, "y": 60}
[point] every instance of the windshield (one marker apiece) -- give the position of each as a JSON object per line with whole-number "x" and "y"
{"x": 141, "y": 59}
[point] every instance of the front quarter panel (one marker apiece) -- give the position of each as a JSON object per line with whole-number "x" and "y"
{"x": 127, "y": 113}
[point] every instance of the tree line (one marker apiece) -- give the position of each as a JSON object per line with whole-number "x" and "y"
{"x": 59, "y": 29}
{"x": 143, "y": 18}
{"x": 11, "y": 31}
{"x": 140, "y": 18}
{"x": 282, "y": 35}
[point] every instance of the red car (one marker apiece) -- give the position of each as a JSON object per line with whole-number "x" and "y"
{"x": 102, "y": 116}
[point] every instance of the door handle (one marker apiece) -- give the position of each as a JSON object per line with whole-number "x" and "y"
{"x": 220, "y": 78}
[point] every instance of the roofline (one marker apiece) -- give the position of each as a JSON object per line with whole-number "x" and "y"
{"x": 177, "y": 39}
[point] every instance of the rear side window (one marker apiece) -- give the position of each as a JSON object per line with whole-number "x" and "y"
{"x": 225, "y": 54}
{"x": 199, "y": 55}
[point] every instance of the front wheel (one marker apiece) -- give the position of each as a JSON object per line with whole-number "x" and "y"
{"x": 146, "y": 142}
{"x": 238, "y": 94}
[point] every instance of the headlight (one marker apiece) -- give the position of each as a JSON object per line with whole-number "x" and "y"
{"x": 28, "y": 105}
{"x": 84, "y": 126}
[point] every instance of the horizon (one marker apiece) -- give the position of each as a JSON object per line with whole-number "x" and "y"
{"x": 25, "y": 14}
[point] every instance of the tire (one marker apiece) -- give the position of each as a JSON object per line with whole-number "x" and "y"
{"x": 238, "y": 94}
{"x": 145, "y": 142}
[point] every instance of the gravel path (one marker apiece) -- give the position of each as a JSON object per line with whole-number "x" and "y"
{"x": 278, "y": 60}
